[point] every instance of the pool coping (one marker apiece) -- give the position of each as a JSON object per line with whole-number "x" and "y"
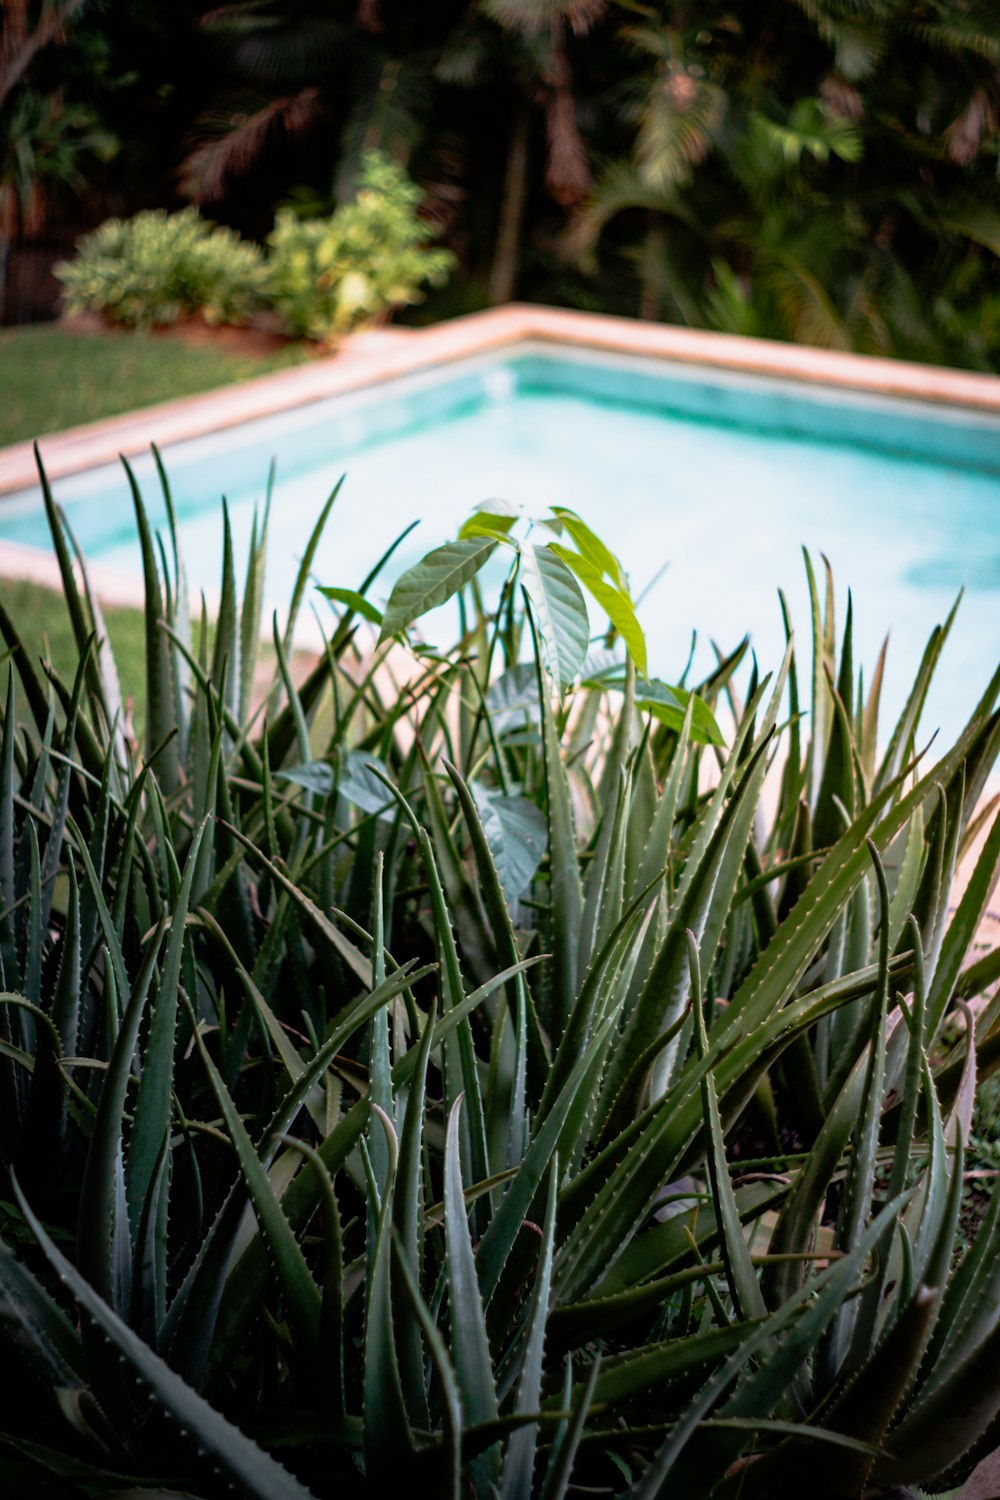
{"x": 368, "y": 359}
{"x": 365, "y": 360}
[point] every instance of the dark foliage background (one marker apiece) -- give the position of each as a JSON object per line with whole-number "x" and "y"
{"x": 817, "y": 170}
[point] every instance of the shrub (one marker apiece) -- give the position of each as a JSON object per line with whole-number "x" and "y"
{"x": 328, "y": 276}
{"x": 155, "y": 268}
{"x": 445, "y": 1079}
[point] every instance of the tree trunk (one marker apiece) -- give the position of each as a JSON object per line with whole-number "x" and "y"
{"x": 503, "y": 272}
{"x": 651, "y": 270}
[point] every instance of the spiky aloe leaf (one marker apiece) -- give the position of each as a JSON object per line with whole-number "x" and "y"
{"x": 971, "y": 1307}
{"x": 562, "y": 1126}
{"x": 938, "y": 1431}
{"x": 331, "y": 1333}
{"x": 331, "y": 934}
{"x": 566, "y": 1444}
{"x": 614, "y": 1192}
{"x": 148, "y": 1279}
{"x": 51, "y": 1341}
{"x": 246, "y": 1464}
{"x": 566, "y": 891}
{"x": 301, "y": 1294}
{"x": 408, "y": 1220}
{"x": 461, "y": 1074}
{"x": 859, "y": 1184}
{"x": 740, "y": 1273}
{"x": 497, "y": 907}
{"x": 153, "y": 1108}
{"x": 160, "y": 722}
{"x": 791, "y": 1334}
{"x": 650, "y": 1368}
{"x": 665, "y": 993}
{"x": 519, "y": 1461}
{"x": 469, "y": 1341}
{"x": 963, "y": 927}
{"x": 605, "y": 886}
{"x": 906, "y": 728}
{"x": 387, "y": 1432}
{"x": 451, "y": 1468}
{"x": 248, "y": 1274}
{"x": 252, "y": 608}
{"x": 305, "y": 566}
{"x": 101, "y": 1227}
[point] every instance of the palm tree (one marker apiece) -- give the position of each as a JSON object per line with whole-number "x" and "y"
{"x": 24, "y": 33}
{"x": 744, "y": 153}
{"x": 351, "y": 78}
{"x": 524, "y": 44}
{"x": 348, "y": 79}
{"x": 43, "y": 140}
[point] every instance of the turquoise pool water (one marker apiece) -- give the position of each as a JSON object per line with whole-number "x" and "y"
{"x": 721, "y": 477}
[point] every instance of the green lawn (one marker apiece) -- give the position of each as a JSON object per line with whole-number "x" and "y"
{"x": 51, "y": 378}
{"x": 42, "y": 619}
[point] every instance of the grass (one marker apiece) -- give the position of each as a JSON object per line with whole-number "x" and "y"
{"x": 51, "y": 378}
{"x": 43, "y": 620}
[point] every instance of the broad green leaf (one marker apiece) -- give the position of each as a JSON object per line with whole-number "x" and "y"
{"x": 354, "y": 601}
{"x": 669, "y": 705}
{"x": 512, "y": 700}
{"x": 591, "y": 546}
{"x": 614, "y": 601}
{"x": 516, "y": 832}
{"x": 354, "y": 777}
{"x": 559, "y": 610}
{"x": 358, "y": 781}
{"x": 315, "y": 775}
{"x": 433, "y": 581}
{"x": 493, "y": 518}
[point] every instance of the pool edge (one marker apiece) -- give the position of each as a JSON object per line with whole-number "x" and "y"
{"x": 368, "y": 359}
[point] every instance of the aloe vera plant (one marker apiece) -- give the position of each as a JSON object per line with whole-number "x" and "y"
{"x": 481, "y": 1074}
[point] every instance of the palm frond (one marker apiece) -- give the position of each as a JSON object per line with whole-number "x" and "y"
{"x": 233, "y": 142}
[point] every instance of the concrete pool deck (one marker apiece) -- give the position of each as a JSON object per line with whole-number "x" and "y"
{"x": 367, "y": 359}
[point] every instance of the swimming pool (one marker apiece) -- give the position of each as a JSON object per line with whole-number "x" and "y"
{"x": 722, "y": 476}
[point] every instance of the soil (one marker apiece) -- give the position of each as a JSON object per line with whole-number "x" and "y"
{"x": 253, "y": 340}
